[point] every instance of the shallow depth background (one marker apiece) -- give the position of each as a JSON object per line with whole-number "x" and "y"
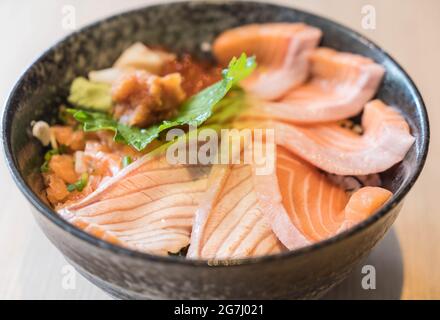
{"x": 407, "y": 261}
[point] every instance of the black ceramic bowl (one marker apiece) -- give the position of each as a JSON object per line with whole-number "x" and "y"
{"x": 182, "y": 27}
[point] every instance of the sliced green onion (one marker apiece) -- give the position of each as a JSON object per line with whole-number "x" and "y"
{"x": 45, "y": 166}
{"x": 126, "y": 161}
{"x": 49, "y": 154}
{"x": 80, "y": 184}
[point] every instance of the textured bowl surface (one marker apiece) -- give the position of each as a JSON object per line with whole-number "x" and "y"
{"x": 183, "y": 27}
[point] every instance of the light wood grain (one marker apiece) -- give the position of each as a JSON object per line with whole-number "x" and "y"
{"x": 407, "y": 260}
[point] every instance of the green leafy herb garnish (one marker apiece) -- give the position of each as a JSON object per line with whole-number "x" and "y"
{"x": 199, "y": 107}
{"x": 133, "y": 136}
{"x": 80, "y": 184}
{"x": 193, "y": 112}
{"x": 228, "y": 108}
{"x": 90, "y": 95}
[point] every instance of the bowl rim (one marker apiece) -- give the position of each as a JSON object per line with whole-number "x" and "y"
{"x": 52, "y": 216}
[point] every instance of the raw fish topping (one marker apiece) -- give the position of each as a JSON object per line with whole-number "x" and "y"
{"x": 108, "y": 170}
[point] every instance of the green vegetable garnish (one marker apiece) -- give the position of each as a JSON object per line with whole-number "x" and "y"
{"x": 133, "y": 136}
{"x": 48, "y": 155}
{"x": 90, "y": 95}
{"x": 126, "y": 161}
{"x": 199, "y": 107}
{"x": 228, "y": 108}
{"x": 71, "y": 187}
{"x": 193, "y": 112}
{"x": 44, "y": 167}
{"x": 80, "y": 184}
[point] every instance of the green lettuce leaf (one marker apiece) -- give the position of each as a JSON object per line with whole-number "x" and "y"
{"x": 133, "y": 136}
{"x": 195, "y": 111}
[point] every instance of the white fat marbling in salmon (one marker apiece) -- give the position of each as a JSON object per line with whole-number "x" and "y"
{"x": 149, "y": 206}
{"x": 316, "y": 207}
{"x": 282, "y": 52}
{"x": 234, "y": 219}
{"x": 385, "y": 141}
{"x": 340, "y": 86}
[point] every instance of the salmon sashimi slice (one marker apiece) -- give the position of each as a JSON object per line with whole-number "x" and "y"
{"x": 317, "y": 207}
{"x": 282, "y": 52}
{"x": 385, "y": 141}
{"x": 216, "y": 182}
{"x": 340, "y": 86}
{"x": 362, "y": 204}
{"x": 270, "y": 188}
{"x": 239, "y": 213}
{"x": 148, "y": 206}
{"x": 232, "y": 224}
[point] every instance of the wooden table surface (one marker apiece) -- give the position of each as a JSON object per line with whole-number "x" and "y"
{"x": 407, "y": 261}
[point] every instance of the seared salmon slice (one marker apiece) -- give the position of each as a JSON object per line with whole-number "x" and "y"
{"x": 385, "y": 141}
{"x": 317, "y": 207}
{"x": 341, "y": 83}
{"x": 235, "y": 218}
{"x": 148, "y": 206}
{"x": 282, "y": 52}
{"x": 234, "y": 225}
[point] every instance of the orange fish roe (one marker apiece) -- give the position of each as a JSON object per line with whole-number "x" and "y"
{"x": 196, "y": 75}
